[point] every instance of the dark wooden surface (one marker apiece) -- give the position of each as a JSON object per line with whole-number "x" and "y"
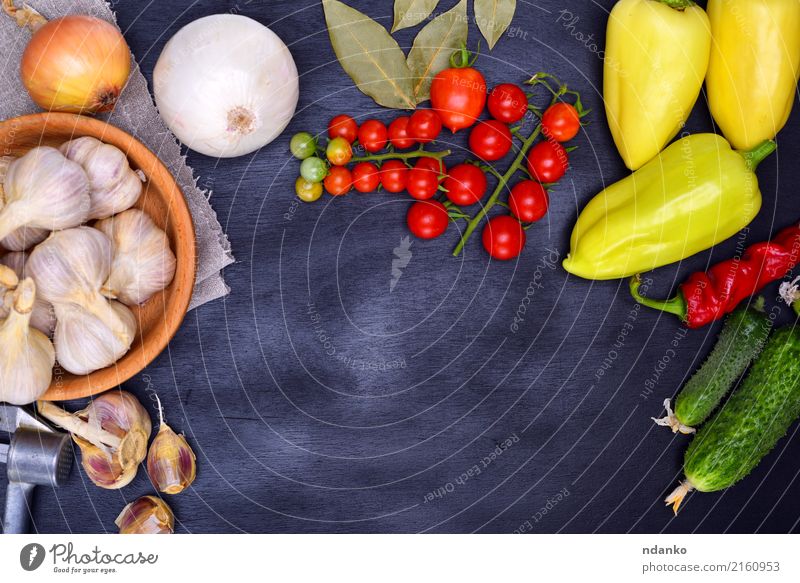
{"x": 425, "y": 382}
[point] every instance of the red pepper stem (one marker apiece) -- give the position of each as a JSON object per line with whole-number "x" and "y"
{"x": 676, "y": 305}
{"x": 755, "y": 156}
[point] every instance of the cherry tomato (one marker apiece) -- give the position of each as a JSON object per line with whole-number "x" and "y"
{"x": 465, "y": 184}
{"x": 313, "y": 169}
{"x": 427, "y": 219}
{"x": 434, "y": 165}
{"x": 422, "y": 183}
{"x": 528, "y": 201}
{"x": 503, "y": 237}
{"x": 508, "y": 103}
{"x": 458, "y": 95}
{"x": 343, "y": 126}
{"x": 561, "y": 122}
{"x": 424, "y": 125}
{"x": 338, "y": 181}
{"x": 366, "y": 177}
{"x": 548, "y": 161}
{"x": 303, "y": 145}
{"x": 372, "y": 135}
{"x": 490, "y": 140}
{"x": 394, "y": 175}
{"x": 307, "y": 191}
{"x": 398, "y": 133}
{"x": 339, "y": 151}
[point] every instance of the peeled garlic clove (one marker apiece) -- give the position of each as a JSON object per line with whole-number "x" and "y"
{"x": 170, "y": 461}
{"x": 86, "y": 342}
{"x": 44, "y": 190}
{"x": 147, "y": 515}
{"x": 112, "y": 433}
{"x": 26, "y": 355}
{"x": 114, "y": 186}
{"x": 142, "y": 262}
{"x": 24, "y": 238}
{"x": 43, "y": 317}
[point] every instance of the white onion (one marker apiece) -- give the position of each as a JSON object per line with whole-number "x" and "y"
{"x": 226, "y": 85}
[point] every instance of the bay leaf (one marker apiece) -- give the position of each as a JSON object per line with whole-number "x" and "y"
{"x": 409, "y": 13}
{"x": 433, "y": 46}
{"x": 372, "y": 58}
{"x": 493, "y": 17}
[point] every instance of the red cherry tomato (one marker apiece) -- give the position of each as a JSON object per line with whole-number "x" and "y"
{"x": 561, "y": 122}
{"x": 434, "y": 165}
{"x": 372, "y": 135}
{"x": 424, "y": 125}
{"x": 528, "y": 201}
{"x": 490, "y": 140}
{"x": 458, "y": 95}
{"x": 427, "y": 219}
{"x": 508, "y": 103}
{"x": 338, "y": 181}
{"x": 465, "y": 184}
{"x": 503, "y": 237}
{"x": 398, "y": 133}
{"x": 365, "y": 177}
{"x": 422, "y": 183}
{"x": 343, "y": 126}
{"x": 394, "y": 175}
{"x": 548, "y": 161}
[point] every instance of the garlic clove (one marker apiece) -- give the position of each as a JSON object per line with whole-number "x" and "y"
{"x": 44, "y": 190}
{"x": 88, "y": 341}
{"x": 171, "y": 463}
{"x": 43, "y": 317}
{"x": 114, "y": 186}
{"x": 146, "y": 515}
{"x": 24, "y": 238}
{"x": 112, "y": 433}
{"x": 8, "y": 277}
{"x": 26, "y": 354}
{"x": 142, "y": 262}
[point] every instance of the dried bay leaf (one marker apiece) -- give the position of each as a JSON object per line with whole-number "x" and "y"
{"x": 409, "y": 13}
{"x": 433, "y": 46}
{"x": 493, "y": 18}
{"x": 371, "y": 57}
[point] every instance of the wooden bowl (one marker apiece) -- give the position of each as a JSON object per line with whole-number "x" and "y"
{"x": 163, "y": 201}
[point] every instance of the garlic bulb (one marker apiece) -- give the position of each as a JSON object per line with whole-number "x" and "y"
{"x": 43, "y": 317}
{"x": 114, "y": 186}
{"x": 170, "y": 461}
{"x": 142, "y": 262}
{"x": 27, "y": 356}
{"x": 146, "y": 515}
{"x": 85, "y": 342}
{"x": 226, "y": 85}
{"x": 44, "y": 190}
{"x": 112, "y": 433}
{"x": 24, "y": 238}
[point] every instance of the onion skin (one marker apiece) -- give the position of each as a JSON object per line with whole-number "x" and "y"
{"x": 76, "y": 64}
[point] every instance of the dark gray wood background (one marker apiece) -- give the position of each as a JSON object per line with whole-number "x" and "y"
{"x": 319, "y": 401}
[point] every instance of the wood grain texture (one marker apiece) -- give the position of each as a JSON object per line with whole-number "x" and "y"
{"x": 161, "y": 316}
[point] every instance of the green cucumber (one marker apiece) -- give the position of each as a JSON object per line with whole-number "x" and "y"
{"x": 749, "y": 425}
{"x": 740, "y": 341}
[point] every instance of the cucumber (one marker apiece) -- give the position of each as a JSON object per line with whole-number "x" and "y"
{"x": 749, "y": 425}
{"x": 740, "y": 341}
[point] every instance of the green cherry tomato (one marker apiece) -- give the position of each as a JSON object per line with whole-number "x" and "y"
{"x": 307, "y": 191}
{"x": 313, "y": 169}
{"x": 303, "y": 145}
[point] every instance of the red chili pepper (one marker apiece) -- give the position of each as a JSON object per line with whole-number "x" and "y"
{"x": 706, "y": 297}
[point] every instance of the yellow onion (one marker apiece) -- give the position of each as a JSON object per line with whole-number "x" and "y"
{"x": 146, "y": 515}
{"x": 77, "y": 63}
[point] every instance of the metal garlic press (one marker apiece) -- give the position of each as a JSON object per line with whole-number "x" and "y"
{"x": 37, "y": 455}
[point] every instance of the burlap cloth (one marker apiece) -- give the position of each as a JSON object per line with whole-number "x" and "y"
{"x": 136, "y": 114}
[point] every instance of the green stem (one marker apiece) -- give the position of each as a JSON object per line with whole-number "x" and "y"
{"x": 755, "y": 156}
{"x": 676, "y": 305}
{"x": 401, "y": 156}
{"x": 678, "y": 4}
{"x": 501, "y": 184}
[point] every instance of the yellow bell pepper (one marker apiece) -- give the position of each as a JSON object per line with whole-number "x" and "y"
{"x": 655, "y": 61}
{"x": 754, "y": 67}
{"x": 690, "y": 197}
